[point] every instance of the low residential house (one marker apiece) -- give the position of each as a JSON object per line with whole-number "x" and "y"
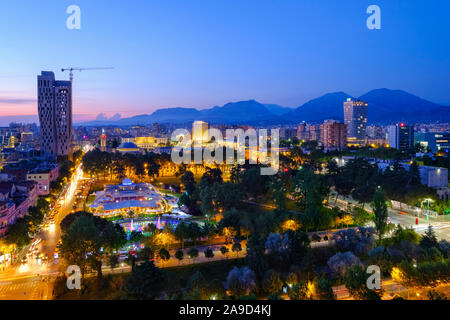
{"x": 44, "y": 176}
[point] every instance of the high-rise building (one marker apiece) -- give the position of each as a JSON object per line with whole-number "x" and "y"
{"x": 333, "y": 135}
{"x": 26, "y": 137}
{"x": 355, "y": 117}
{"x": 200, "y": 132}
{"x": 401, "y": 136}
{"x": 55, "y": 115}
{"x": 314, "y": 132}
{"x": 303, "y": 131}
{"x": 103, "y": 141}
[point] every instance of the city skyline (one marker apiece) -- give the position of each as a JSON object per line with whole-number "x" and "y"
{"x": 187, "y": 63}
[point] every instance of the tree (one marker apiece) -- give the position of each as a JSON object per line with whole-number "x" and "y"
{"x": 380, "y": 213}
{"x": 80, "y": 242}
{"x": 253, "y": 183}
{"x": 341, "y": 262}
{"x": 113, "y": 237}
{"x": 210, "y": 177}
{"x": 299, "y": 245}
{"x": 198, "y": 284}
{"x": 231, "y": 219}
{"x": 209, "y": 254}
{"x": 400, "y": 235}
{"x": 278, "y": 192}
{"x": 325, "y": 290}
{"x": 18, "y": 233}
{"x": 192, "y": 253}
{"x": 146, "y": 282}
{"x": 194, "y": 231}
{"x": 360, "y": 240}
{"x": 361, "y": 216}
{"x": 435, "y": 295}
{"x": 164, "y": 254}
{"x": 274, "y": 296}
{"x": 179, "y": 254}
{"x": 209, "y": 229}
{"x": 272, "y": 282}
{"x": 414, "y": 174}
{"x": 241, "y": 281}
{"x": 235, "y": 174}
{"x": 227, "y": 195}
{"x": 236, "y": 248}
{"x": 355, "y": 280}
{"x": 309, "y": 189}
{"x": 429, "y": 239}
{"x": 145, "y": 254}
{"x": 224, "y": 250}
{"x": 300, "y": 291}
{"x": 181, "y": 232}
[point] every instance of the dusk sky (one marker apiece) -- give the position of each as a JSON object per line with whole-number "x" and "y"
{"x": 198, "y": 53}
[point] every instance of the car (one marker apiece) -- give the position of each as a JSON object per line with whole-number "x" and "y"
{"x": 24, "y": 259}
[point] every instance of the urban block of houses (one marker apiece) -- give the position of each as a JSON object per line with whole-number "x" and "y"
{"x": 15, "y": 199}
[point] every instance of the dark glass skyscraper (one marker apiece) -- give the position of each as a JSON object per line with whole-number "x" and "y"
{"x": 401, "y": 136}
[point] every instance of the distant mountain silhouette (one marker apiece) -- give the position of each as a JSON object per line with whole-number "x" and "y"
{"x": 328, "y": 106}
{"x": 242, "y": 111}
{"x": 385, "y": 106}
{"x": 277, "y": 110}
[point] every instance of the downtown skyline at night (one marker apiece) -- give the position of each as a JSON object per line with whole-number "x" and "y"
{"x": 224, "y": 158}
{"x": 173, "y": 54}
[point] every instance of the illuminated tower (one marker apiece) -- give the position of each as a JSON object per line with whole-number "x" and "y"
{"x": 200, "y": 132}
{"x": 55, "y": 115}
{"x": 355, "y": 117}
{"x": 103, "y": 141}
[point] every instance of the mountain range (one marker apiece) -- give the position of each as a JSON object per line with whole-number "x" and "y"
{"x": 385, "y": 106}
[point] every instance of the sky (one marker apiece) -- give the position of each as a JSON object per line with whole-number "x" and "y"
{"x": 200, "y": 53}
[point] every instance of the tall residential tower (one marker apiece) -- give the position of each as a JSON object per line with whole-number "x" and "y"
{"x": 55, "y": 115}
{"x": 355, "y": 117}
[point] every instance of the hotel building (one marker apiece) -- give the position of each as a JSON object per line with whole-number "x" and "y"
{"x": 355, "y": 117}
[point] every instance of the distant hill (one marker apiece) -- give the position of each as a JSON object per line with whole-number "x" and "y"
{"x": 242, "y": 111}
{"x": 385, "y": 106}
{"x": 328, "y": 106}
{"x": 389, "y": 104}
{"x": 277, "y": 110}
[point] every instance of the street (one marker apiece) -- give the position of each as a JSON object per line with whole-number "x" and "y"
{"x": 441, "y": 228}
{"x": 29, "y": 281}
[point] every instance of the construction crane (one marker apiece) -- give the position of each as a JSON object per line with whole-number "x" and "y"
{"x": 81, "y": 69}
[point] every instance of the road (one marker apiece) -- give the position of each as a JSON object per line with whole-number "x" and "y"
{"x": 406, "y": 220}
{"x": 29, "y": 281}
{"x": 391, "y": 289}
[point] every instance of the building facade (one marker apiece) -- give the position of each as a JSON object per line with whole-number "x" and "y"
{"x": 43, "y": 177}
{"x": 401, "y": 136}
{"x": 435, "y": 141}
{"x": 200, "y": 133}
{"x": 333, "y": 135}
{"x": 55, "y": 115}
{"x": 355, "y": 117}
